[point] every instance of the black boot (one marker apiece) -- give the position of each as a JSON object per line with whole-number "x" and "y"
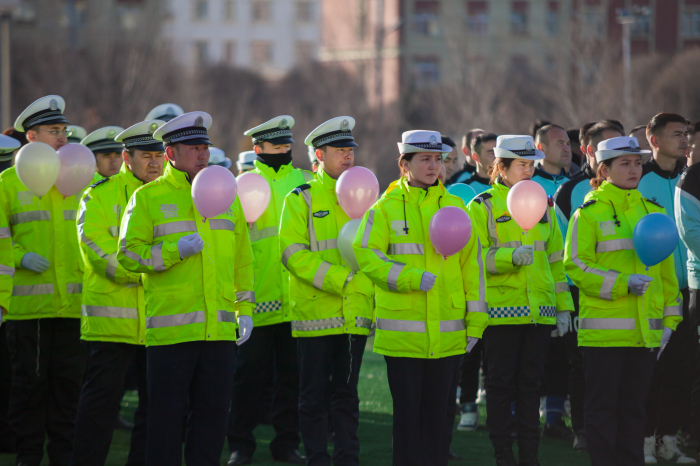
{"x": 504, "y": 456}
{"x": 528, "y": 456}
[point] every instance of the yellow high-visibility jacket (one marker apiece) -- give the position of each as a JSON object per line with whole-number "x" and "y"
{"x": 393, "y": 248}
{"x": 113, "y": 301}
{"x": 199, "y": 297}
{"x": 326, "y": 297}
{"x": 7, "y": 265}
{"x": 531, "y": 294}
{"x": 46, "y": 227}
{"x": 600, "y": 258}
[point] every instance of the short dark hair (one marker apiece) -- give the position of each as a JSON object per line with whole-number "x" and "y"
{"x": 482, "y": 139}
{"x": 660, "y": 120}
{"x": 693, "y": 128}
{"x": 582, "y": 133}
{"x": 467, "y": 138}
{"x": 637, "y": 128}
{"x": 536, "y": 125}
{"x": 20, "y": 136}
{"x": 615, "y": 123}
{"x": 541, "y": 134}
{"x": 595, "y": 134}
{"x": 573, "y": 135}
{"x": 448, "y": 140}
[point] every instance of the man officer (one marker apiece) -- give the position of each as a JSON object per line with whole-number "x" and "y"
{"x": 268, "y": 362}
{"x": 195, "y": 300}
{"x": 43, "y": 328}
{"x": 331, "y": 307}
{"x": 108, "y": 152}
{"x": 113, "y": 311}
{"x": 165, "y": 112}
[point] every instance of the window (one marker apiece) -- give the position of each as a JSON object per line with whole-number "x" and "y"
{"x": 593, "y": 23}
{"x": 261, "y": 52}
{"x": 553, "y": 19}
{"x": 518, "y": 19}
{"x": 230, "y": 52}
{"x": 262, "y": 10}
{"x": 641, "y": 26}
{"x": 426, "y": 71}
{"x": 305, "y": 12}
{"x": 425, "y": 18}
{"x": 200, "y": 9}
{"x": 691, "y": 24}
{"x": 229, "y": 10}
{"x": 477, "y": 18}
{"x": 201, "y": 52}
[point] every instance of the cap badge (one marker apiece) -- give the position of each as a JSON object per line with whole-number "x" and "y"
{"x": 53, "y": 105}
{"x": 433, "y": 140}
{"x": 283, "y": 123}
{"x": 529, "y": 145}
{"x": 633, "y": 144}
{"x": 110, "y": 133}
{"x": 170, "y": 111}
{"x": 152, "y": 128}
{"x": 199, "y": 121}
{"x": 345, "y": 125}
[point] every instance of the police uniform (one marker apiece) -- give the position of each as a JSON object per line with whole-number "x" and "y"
{"x": 165, "y": 112}
{"x": 549, "y": 182}
{"x": 267, "y": 363}
{"x": 193, "y": 304}
{"x": 331, "y": 308}
{"x": 102, "y": 141}
{"x": 43, "y": 327}
{"x": 246, "y": 161}
{"x": 75, "y": 134}
{"x": 113, "y": 318}
{"x": 218, "y": 157}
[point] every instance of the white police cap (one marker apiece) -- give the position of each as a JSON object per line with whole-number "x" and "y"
{"x": 190, "y": 129}
{"x": 165, "y": 112}
{"x": 246, "y": 159}
{"x": 76, "y": 133}
{"x": 336, "y": 132}
{"x": 45, "y": 111}
{"x": 312, "y": 155}
{"x": 513, "y": 146}
{"x": 140, "y": 136}
{"x": 421, "y": 140}
{"x": 276, "y": 131}
{"x": 218, "y": 157}
{"x": 619, "y": 146}
{"x": 103, "y": 140}
{"x": 8, "y": 145}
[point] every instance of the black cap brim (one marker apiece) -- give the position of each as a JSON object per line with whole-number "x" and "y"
{"x": 195, "y": 142}
{"x": 346, "y": 143}
{"x": 154, "y": 147}
{"x": 279, "y": 141}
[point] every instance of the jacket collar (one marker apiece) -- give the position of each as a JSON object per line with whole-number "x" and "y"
{"x": 270, "y": 172}
{"x": 176, "y": 177}
{"x": 540, "y": 172}
{"x": 415, "y": 195}
{"x": 618, "y": 197}
{"x": 327, "y": 182}
{"x": 479, "y": 179}
{"x": 652, "y": 166}
{"x": 587, "y": 171}
{"x": 128, "y": 176}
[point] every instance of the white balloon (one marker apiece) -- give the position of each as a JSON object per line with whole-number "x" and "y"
{"x": 345, "y": 239}
{"x": 37, "y": 166}
{"x": 254, "y": 193}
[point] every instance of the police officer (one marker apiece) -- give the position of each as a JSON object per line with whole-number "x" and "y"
{"x": 192, "y": 298}
{"x": 483, "y": 157}
{"x": 332, "y": 307}
{"x": 75, "y": 134}
{"x": 108, "y": 152}
{"x": 626, "y": 309}
{"x": 268, "y": 362}
{"x": 113, "y": 312}
{"x": 469, "y": 166}
{"x": 424, "y": 318}
{"x": 165, "y": 112}
{"x": 43, "y": 327}
{"x": 550, "y": 172}
{"x": 246, "y": 161}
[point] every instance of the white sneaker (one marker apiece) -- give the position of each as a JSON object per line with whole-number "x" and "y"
{"x": 481, "y": 396}
{"x": 543, "y": 406}
{"x": 650, "y": 450}
{"x": 470, "y": 417}
{"x": 668, "y": 450}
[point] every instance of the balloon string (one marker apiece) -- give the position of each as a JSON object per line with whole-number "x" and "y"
{"x": 439, "y": 268}
{"x": 206, "y": 251}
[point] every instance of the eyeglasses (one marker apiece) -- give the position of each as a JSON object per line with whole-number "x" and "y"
{"x": 56, "y": 133}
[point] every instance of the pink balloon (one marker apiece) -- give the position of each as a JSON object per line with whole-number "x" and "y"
{"x": 254, "y": 193}
{"x": 357, "y": 190}
{"x": 450, "y": 230}
{"x": 213, "y": 191}
{"x": 527, "y": 203}
{"x": 77, "y": 169}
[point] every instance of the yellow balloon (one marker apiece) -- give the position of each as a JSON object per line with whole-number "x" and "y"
{"x": 37, "y": 167}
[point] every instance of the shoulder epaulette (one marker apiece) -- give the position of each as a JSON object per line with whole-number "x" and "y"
{"x": 586, "y": 204}
{"x": 300, "y": 189}
{"x": 103, "y": 180}
{"x": 482, "y": 197}
{"x": 653, "y": 202}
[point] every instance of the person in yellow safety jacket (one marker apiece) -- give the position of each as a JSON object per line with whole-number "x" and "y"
{"x": 332, "y": 307}
{"x": 625, "y": 308}
{"x": 8, "y": 145}
{"x": 427, "y": 306}
{"x": 267, "y": 364}
{"x": 107, "y": 151}
{"x": 528, "y": 294}
{"x": 43, "y": 323}
{"x": 113, "y": 311}
{"x": 197, "y": 276}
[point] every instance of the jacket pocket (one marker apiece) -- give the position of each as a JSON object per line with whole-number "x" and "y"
{"x": 459, "y": 301}
{"x": 394, "y": 301}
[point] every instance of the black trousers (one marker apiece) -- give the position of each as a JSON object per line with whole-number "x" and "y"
{"x": 617, "y": 384}
{"x": 100, "y": 402}
{"x": 420, "y": 389}
{"x": 452, "y": 399}
{"x": 694, "y": 320}
{"x": 192, "y": 379}
{"x": 515, "y": 355}
{"x": 7, "y": 437}
{"x": 333, "y": 360}
{"x": 668, "y": 403}
{"x": 268, "y": 360}
{"x": 48, "y": 364}
{"x": 469, "y": 374}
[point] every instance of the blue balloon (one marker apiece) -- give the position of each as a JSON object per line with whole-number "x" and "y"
{"x": 655, "y": 238}
{"x": 463, "y": 191}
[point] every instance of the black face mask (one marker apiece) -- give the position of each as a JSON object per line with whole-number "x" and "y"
{"x": 275, "y": 161}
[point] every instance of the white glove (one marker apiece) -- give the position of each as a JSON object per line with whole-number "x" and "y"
{"x": 665, "y": 337}
{"x": 563, "y": 321}
{"x": 427, "y": 281}
{"x": 34, "y": 262}
{"x": 638, "y": 284}
{"x": 471, "y": 343}
{"x": 190, "y": 245}
{"x": 524, "y": 255}
{"x": 245, "y": 328}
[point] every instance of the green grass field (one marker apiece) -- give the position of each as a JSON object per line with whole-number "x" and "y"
{"x": 374, "y": 432}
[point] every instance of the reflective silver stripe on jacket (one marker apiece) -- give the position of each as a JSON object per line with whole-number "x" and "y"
{"x": 320, "y": 274}
{"x": 74, "y": 288}
{"x": 108, "y": 311}
{"x": 656, "y": 324}
{"x": 456, "y": 325}
{"x": 246, "y": 296}
{"x": 392, "y": 278}
{"x": 556, "y": 256}
{"x": 477, "y": 306}
{"x": 112, "y": 266}
{"x": 184, "y": 226}
{"x": 368, "y": 229}
{"x": 31, "y": 290}
{"x": 560, "y": 287}
{"x": 406, "y": 248}
{"x": 5, "y": 233}
{"x": 320, "y": 324}
{"x": 291, "y": 250}
{"x": 70, "y": 214}
{"x": 482, "y": 280}
{"x": 363, "y": 322}
{"x": 176, "y": 320}
{"x": 114, "y": 231}
{"x": 32, "y": 216}
{"x": 221, "y": 224}
{"x": 257, "y": 235}
{"x": 7, "y": 270}
{"x": 226, "y": 316}
{"x": 157, "y": 257}
{"x": 132, "y": 255}
{"x": 315, "y": 245}
{"x": 614, "y": 245}
{"x": 616, "y": 324}
{"x": 609, "y": 276}
{"x": 418, "y": 326}
{"x": 540, "y": 246}
{"x": 673, "y": 311}
{"x": 87, "y": 241}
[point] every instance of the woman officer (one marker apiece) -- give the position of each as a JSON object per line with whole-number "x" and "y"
{"x": 527, "y": 287}
{"x": 427, "y": 306}
{"x": 624, "y": 308}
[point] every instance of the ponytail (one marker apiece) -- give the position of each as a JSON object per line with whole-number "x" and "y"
{"x": 598, "y": 180}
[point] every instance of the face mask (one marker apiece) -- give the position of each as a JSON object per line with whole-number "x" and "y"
{"x": 275, "y": 161}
